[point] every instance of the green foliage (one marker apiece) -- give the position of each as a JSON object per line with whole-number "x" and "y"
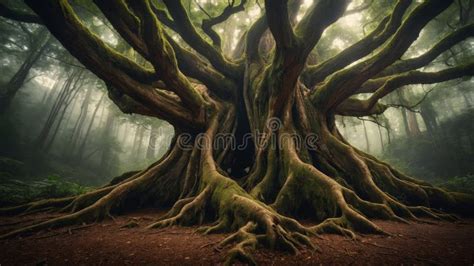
{"x": 14, "y": 192}
{"x": 459, "y": 184}
{"x": 11, "y": 167}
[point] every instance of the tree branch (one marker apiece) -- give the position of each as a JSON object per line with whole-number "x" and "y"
{"x": 279, "y": 23}
{"x": 358, "y": 108}
{"x": 192, "y": 37}
{"x": 190, "y": 64}
{"x": 365, "y": 46}
{"x": 107, "y": 64}
{"x": 401, "y": 66}
{"x": 162, "y": 56}
{"x": 447, "y": 42}
{"x": 228, "y": 11}
{"x": 124, "y": 22}
{"x": 417, "y": 77}
{"x": 19, "y": 15}
{"x": 342, "y": 84}
{"x": 359, "y": 8}
{"x": 195, "y": 67}
{"x": 322, "y": 14}
{"x": 371, "y": 105}
{"x": 253, "y": 36}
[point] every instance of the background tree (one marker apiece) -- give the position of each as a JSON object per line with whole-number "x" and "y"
{"x": 174, "y": 68}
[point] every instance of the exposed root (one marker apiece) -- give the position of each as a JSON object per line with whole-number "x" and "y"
{"x": 90, "y": 207}
{"x": 36, "y": 206}
{"x": 333, "y": 226}
{"x": 284, "y": 183}
{"x": 221, "y": 226}
{"x": 255, "y": 222}
{"x": 87, "y": 199}
{"x": 245, "y": 240}
{"x": 189, "y": 213}
{"x": 396, "y": 194}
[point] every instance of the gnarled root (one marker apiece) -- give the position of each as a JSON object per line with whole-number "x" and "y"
{"x": 255, "y": 223}
{"x": 185, "y": 212}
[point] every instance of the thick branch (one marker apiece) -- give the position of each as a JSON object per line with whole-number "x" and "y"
{"x": 414, "y": 63}
{"x": 105, "y": 63}
{"x": 344, "y": 83}
{"x": 253, "y": 36}
{"x": 126, "y": 24}
{"x": 19, "y": 15}
{"x": 371, "y": 106}
{"x": 162, "y": 56}
{"x": 365, "y": 46}
{"x": 228, "y": 11}
{"x": 319, "y": 17}
{"x": 195, "y": 67}
{"x": 279, "y": 23}
{"x": 359, "y": 8}
{"x": 359, "y": 108}
{"x": 192, "y": 37}
{"x": 447, "y": 42}
{"x": 417, "y": 77}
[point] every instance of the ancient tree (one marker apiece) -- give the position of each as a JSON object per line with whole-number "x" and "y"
{"x": 299, "y": 166}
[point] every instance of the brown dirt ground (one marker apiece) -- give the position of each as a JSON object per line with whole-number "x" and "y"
{"x": 107, "y": 243}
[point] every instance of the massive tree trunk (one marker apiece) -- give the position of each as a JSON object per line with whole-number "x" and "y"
{"x": 255, "y": 147}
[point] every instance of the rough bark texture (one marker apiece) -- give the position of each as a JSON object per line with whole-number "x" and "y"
{"x": 256, "y": 192}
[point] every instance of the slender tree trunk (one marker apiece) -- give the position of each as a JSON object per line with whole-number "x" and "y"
{"x": 16, "y": 82}
{"x": 79, "y": 125}
{"x": 151, "y": 148}
{"x": 467, "y": 99}
{"x": 70, "y": 98}
{"x": 139, "y": 144}
{"x": 138, "y": 138}
{"x": 413, "y": 126}
{"x": 106, "y": 148}
{"x": 429, "y": 117}
{"x": 55, "y": 110}
{"x": 381, "y": 138}
{"x": 82, "y": 146}
{"x": 389, "y": 139}
{"x": 403, "y": 111}
{"x": 367, "y": 142}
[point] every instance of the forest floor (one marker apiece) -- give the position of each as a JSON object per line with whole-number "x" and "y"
{"x": 110, "y": 243}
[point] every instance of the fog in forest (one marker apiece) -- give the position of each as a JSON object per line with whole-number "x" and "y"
{"x": 60, "y": 128}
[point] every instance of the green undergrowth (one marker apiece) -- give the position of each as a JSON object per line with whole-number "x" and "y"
{"x": 14, "y": 191}
{"x": 463, "y": 184}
